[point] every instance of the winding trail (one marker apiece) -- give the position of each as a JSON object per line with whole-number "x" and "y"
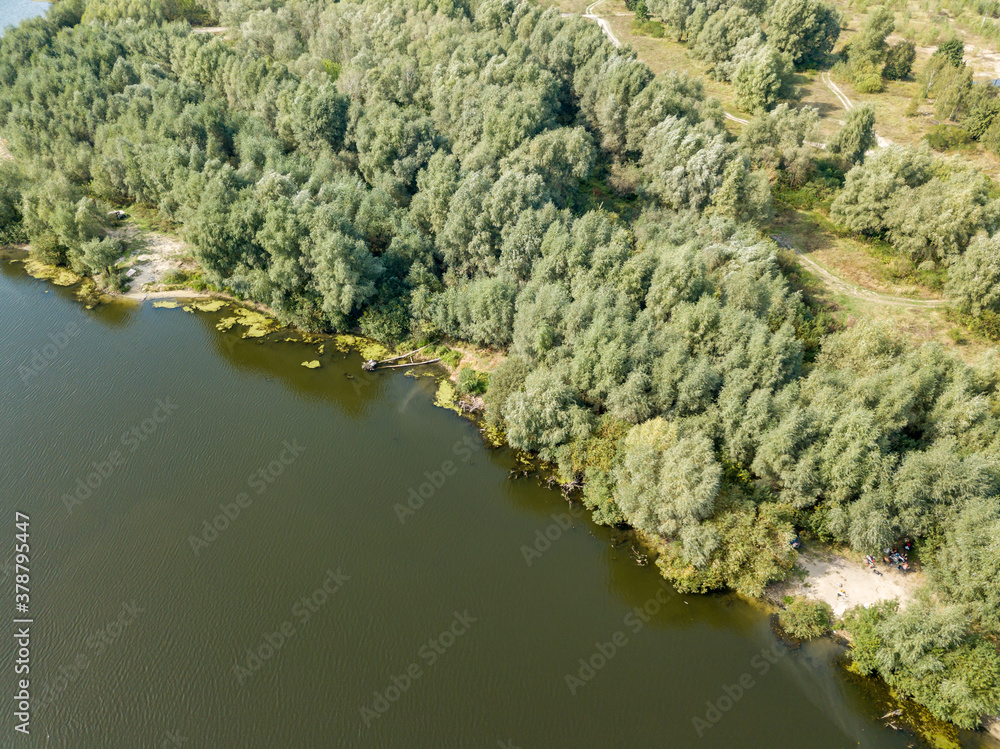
{"x": 605, "y": 26}
{"x": 849, "y": 105}
{"x": 832, "y": 281}
{"x": 848, "y": 289}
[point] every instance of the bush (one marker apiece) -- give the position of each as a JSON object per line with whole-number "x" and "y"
{"x": 648, "y": 28}
{"x": 386, "y": 323}
{"x": 471, "y": 382}
{"x": 953, "y": 50}
{"x": 948, "y": 137}
{"x": 899, "y": 61}
{"x": 806, "y": 619}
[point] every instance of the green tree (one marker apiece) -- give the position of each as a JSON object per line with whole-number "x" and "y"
{"x": 760, "y": 79}
{"x": 668, "y": 483}
{"x": 806, "y": 619}
{"x": 856, "y": 136}
{"x": 899, "y": 61}
{"x": 974, "y": 278}
{"x": 779, "y": 142}
{"x": 952, "y": 50}
{"x": 806, "y": 30}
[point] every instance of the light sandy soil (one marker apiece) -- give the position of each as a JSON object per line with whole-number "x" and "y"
{"x": 4, "y": 153}
{"x": 160, "y": 256}
{"x": 828, "y": 574}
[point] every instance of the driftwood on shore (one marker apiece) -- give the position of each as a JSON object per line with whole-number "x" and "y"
{"x": 371, "y": 365}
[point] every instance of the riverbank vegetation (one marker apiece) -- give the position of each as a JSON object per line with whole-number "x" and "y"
{"x": 501, "y": 175}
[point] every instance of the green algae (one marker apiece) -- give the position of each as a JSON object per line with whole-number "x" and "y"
{"x": 166, "y": 305}
{"x": 56, "y": 274}
{"x": 257, "y": 324}
{"x": 314, "y": 364}
{"x": 446, "y": 396}
{"x": 367, "y": 348}
{"x": 209, "y": 305}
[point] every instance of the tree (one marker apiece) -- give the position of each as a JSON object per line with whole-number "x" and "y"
{"x": 952, "y": 50}
{"x": 899, "y": 61}
{"x": 723, "y": 30}
{"x": 974, "y": 278}
{"x": 872, "y": 188}
{"x": 936, "y": 221}
{"x": 870, "y": 41}
{"x": 779, "y": 141}
{"x": 967, "y": 569}
{"x": 806, "y": 619}
{"x": 856, "y": 136}
{"x": 545, "y": 415}
{"x": 11, "y": 229}
{"x": 806, "y": 30}
{"x": 684, "y": 163}
{"x": 667, "y": 482}
{"x": 744, "y": 195}
{"x": 760, "y": 78}
{"x": 866, "y": 53}
{"x": 394, "y": 144}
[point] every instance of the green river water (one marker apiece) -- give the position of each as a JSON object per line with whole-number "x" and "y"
{"x": 316, "y": 614}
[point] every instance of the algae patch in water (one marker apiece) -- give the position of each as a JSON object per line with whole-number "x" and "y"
{"x": 311, "y": 364}
{"x": 54, "y": 273}
{"x": 257, "y": 323}
{"x": 166, "y": 305}
{"x": 445, "y": 396}
{"x": 211, "y": 305}
{"x": 368, "y": 349}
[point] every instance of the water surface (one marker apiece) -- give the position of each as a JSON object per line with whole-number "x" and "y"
{"x": 142, "y": 633}
{"x": 12, "y": 12}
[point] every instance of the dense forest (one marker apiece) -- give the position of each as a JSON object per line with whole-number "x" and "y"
{"x": 497, "y": 174}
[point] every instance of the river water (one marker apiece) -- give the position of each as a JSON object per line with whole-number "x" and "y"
{"x": 239, "y": 573}
{"x": 12, "y": 12}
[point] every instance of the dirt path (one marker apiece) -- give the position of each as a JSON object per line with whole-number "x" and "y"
{"x": 160, "y": 256}
{"x": 4, "y": 153}
{"x": 605, "y": 27}
{"x": 841, "y": 286}
{"x": 844, "y": 583}
{"x": 849, "y": 105}
{"x": 589, "y": 13}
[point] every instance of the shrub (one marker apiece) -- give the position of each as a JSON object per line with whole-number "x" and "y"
{"x": 899, "y": 61}
{"x": 386, "y": 323}
{"x": 948, "y": 137}
{"x": 953, "y": 50}
{"x": 648, "y": 28}
{"x": 806, "y": 619}
{"x": 471, "y": 382}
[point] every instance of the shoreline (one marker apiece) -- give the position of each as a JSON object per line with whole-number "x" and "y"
{"x": 826, "y": 570}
